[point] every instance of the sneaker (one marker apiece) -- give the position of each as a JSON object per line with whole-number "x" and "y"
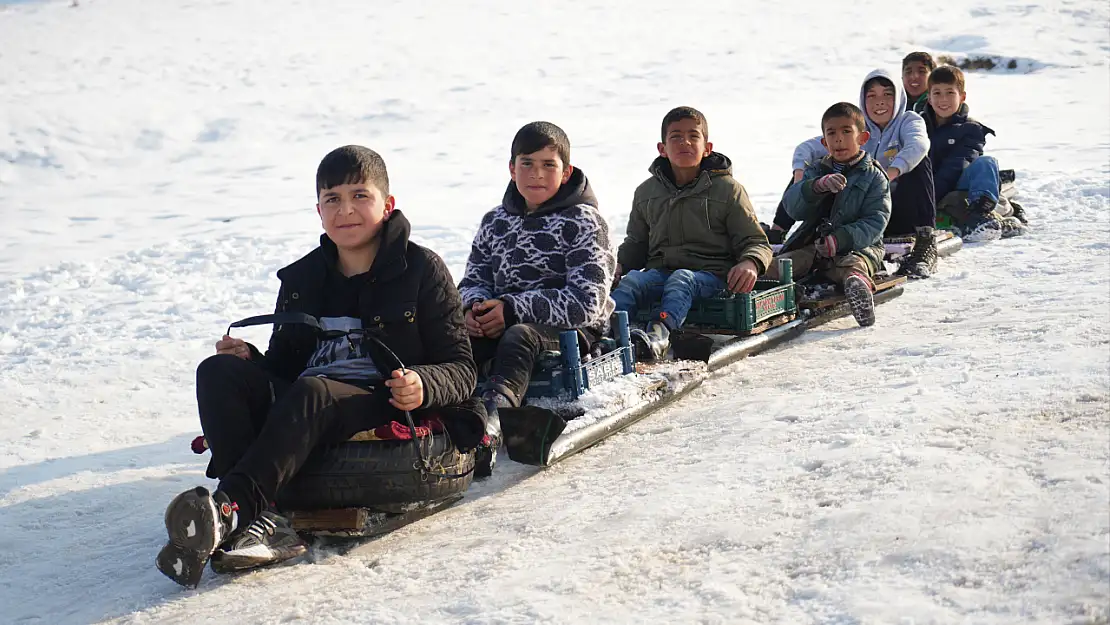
{"x": 858, "y": 291}
{"x": 270, "y": 539}
{"x": 197, "y": 522}
{"x": 921, "y": 262}
{"x": 485, "y": 456}
{"x": 982, "y": 224}
{"x": 1012, "y": 227}
{"x": 652, "y": 342}
{"x": 1019, "y": 212}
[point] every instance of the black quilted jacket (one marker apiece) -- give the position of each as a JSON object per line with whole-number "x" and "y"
{"x": 409, "y": 296}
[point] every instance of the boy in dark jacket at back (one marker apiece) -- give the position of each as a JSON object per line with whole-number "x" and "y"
{"x": 843, "y": 202}
{"x": 692, "y": 232}
{"x": 263, "y": 414}
{"x": 957, "y": 143}
{"x": 540, "y": 264}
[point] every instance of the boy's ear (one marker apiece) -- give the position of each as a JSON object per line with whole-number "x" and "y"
{"x": 390, "y": 205}
{"x": 824, "y": 143}
{"x": 512, "y": 169}
{"x": 567, "y": 171}
{"x": 318, "y": 211}
{"x": 963, "y": 98}
{"x": 864, "y": 137}
{"x": 708, "y": 149}
{"x": 662, "y": 149}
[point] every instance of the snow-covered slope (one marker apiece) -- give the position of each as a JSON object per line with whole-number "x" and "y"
{"x": 949, "y": 465}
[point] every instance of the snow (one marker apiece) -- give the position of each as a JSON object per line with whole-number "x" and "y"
{"x": 949, "y": 465}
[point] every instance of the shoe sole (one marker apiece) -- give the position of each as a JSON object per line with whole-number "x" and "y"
{"x": 984, "y": 235}
{"x": 192, "y": 524}
{"x": 861, "y": 301}
{"x": 245, "y": 559}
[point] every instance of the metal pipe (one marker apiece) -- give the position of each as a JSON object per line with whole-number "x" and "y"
{"x": 755, "y": 344}
{"x": 570, "y": 443}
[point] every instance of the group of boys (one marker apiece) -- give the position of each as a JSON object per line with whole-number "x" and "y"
{"x": 919, "y": 132}
{"x": 541, "y": 263}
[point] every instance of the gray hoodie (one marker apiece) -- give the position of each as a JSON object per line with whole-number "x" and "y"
{"x": 905, "y": 141}
{"x": 902, "y": 144}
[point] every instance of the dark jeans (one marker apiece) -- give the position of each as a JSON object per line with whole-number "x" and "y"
{"x": 514, "y": 354}
{"x": 261, "y": 429}
{"x": 913, "y": 202}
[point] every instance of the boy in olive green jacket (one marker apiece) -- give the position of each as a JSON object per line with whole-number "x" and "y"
{"x": 692, "y": 232}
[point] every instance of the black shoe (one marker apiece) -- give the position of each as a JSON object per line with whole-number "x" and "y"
{"x": 270, "y": 539}
{"x": 1019, "y": 212}
{"x": 921, "y": 262}
{"x": 1012, "y": 227}
{"x": 774, "y": 235}
{"x": 858, "y": 292}
{"x": 485, "y": 456}
{"x": 651, "y": 343}
{"x": 197, "y": 522}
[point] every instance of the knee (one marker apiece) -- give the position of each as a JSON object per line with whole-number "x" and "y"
{"x": 516, "y": 334}
{"x": 219, "y": 368}
{"x": 680, "y": 278}
{"x": 308, "y": 386}
{"x": 987, "y": 161}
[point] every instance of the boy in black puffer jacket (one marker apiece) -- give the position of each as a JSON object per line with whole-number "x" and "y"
{"x": 540, "y": 264}
{"x": 263, "y": 414}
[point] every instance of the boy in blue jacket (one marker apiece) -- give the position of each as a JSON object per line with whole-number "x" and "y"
{"x": 843, "y": 202}
{"x": 957, "y": 153}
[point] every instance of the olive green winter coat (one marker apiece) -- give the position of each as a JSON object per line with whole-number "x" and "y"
{"x": 707, "y": 225}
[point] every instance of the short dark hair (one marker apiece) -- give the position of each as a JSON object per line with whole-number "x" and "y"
{"x": 352, "y": 164}
{"x": 878, "y": 80}
{"x": 947, "y": 75}
{"x": 844, "y": 109}
{"x": 924, "y": 58}
{"x": 680, "y": 113}
{"x": 536, "y": 136}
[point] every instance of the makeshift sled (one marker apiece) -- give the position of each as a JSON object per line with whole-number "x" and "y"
{"x": 565, "y": 374}
{"x": 947, "y": 244}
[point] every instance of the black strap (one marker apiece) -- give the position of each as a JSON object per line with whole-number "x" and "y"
{"x": 278, "y": 319}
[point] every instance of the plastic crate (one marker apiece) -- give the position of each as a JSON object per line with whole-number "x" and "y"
{"x": 740, "y": 313}
{"x": 565, "y": 374}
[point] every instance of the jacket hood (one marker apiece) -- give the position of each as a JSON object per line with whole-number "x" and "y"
{"x": 716, "y": 164}
{"x": 899, "y": 99}
{"x": 574, "y": 192}
{"x": 391, "y": 257}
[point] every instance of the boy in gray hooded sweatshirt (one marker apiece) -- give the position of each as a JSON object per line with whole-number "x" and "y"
{"x": 899, "y": 144}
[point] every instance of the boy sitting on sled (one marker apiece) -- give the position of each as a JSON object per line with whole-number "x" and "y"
{"x": 692, "y": 232}
{"x": 540, "y": 264}
{"x": 263, "y": 414}
{"x": 899, "y": 144}
{"x": 966, "y": 181}
{"x": 843, "y": 202}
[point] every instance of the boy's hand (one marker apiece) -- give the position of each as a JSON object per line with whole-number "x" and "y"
{"x": 235, "y": 347}
{"x": 826, "y": 246}
{"x": 830, "y": 183}
{"x": 892, "y": 173}
{"x": 742, "y": 276}
{"x": 407, "y": 389}
{"x": 490, "y": 316}
{"x": 472, "y": 327}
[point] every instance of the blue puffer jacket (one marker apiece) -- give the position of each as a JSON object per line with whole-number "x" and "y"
{"x": 858, "y": 214}
{"x": 955, "y": 145}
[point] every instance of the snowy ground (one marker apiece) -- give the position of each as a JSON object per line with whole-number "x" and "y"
{"x": 949, "y": 465}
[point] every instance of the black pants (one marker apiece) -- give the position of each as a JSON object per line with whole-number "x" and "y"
{"x": 261, "y": 429}
{"x": 512, "y": 357}
{"x": 913, "y": 203}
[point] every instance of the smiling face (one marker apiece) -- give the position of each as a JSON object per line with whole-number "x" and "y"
{"x": 843, "y": 138}
{"x": 685, "y": 145}
{"x": 353, "y": 214}
{"x": 880, "y": 104}
{"x": 915, "y": 78}
{"x": 945, "y": 100}
{"x": 539, "y": 175}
